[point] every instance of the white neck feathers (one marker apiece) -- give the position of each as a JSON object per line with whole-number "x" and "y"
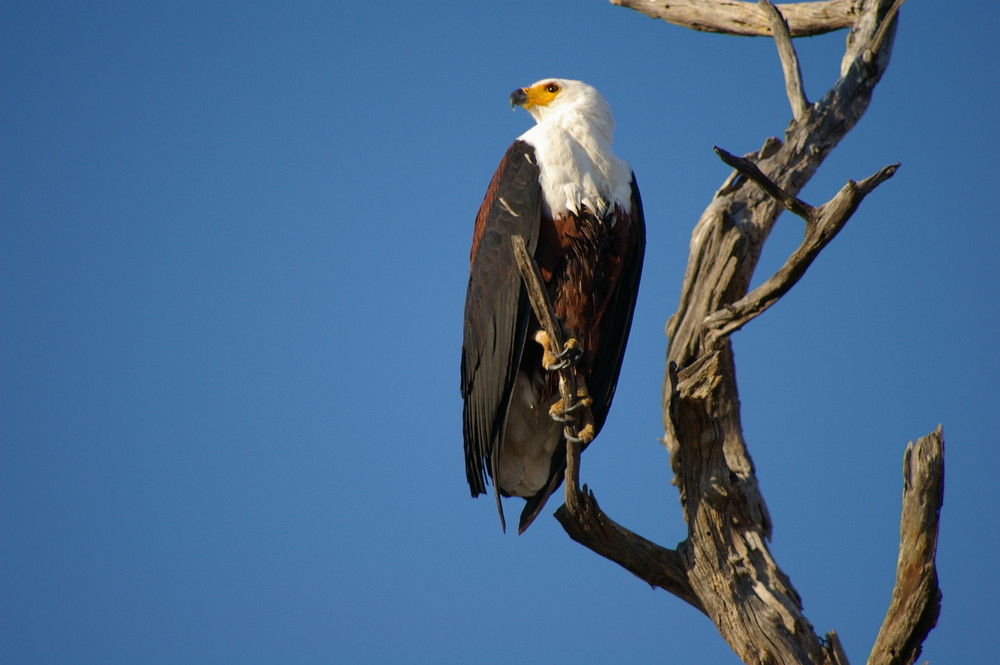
{"x": 578, "y": 168}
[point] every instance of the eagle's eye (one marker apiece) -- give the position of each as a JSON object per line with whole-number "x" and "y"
{"x": 552, "y": 88}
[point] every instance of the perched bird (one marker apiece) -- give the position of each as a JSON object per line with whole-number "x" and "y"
{"x": 577, "y": 206}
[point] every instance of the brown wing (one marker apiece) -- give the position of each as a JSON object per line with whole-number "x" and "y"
{"x": 497, "y": 310}
{"x": 617, "y": 319}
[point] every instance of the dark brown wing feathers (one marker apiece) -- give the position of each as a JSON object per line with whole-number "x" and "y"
{"x": 616, "y": 319}
{"x": 496, "y": 310}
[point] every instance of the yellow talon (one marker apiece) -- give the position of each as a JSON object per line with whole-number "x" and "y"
{"x": 548, "y": 358}
{"x": 555, "y": 361}
{"x": 558, "y": 411}
{"x": 586, "y": 435}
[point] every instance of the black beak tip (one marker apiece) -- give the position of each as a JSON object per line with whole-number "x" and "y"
{"x": 518, "y": 97}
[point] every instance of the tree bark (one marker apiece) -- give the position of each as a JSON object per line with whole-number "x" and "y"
{"x": 916, "y": 598}
{"x": 724, "y": 568}
{"x": 743, "y": 18}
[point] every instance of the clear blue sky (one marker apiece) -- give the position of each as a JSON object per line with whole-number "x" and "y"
{"x": 233, "y": 256}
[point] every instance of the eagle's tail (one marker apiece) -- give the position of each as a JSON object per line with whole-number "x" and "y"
{"x": 535, "y": 503}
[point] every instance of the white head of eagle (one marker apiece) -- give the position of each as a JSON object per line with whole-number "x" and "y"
{"x": 577, "y": 207}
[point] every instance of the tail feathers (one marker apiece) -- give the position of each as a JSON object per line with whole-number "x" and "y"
{"x": 536, "y": 503}
{"x": 503, "y": 521}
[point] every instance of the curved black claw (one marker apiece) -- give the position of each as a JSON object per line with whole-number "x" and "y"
{"x": 577, "y": 406}
{"x": 569, "y": 356}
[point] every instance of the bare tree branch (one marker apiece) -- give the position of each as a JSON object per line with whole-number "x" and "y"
{"x": 883, "y": 29}
{"x": 916, "y": 598}
{"x": 661, "y": 567}
{"x": 743, "y": 18}
{"x": 789, "y": 60}
{"x": 749, "y": 169}
{"x": 822, "y": 225}
{"x": 836, "y": 648}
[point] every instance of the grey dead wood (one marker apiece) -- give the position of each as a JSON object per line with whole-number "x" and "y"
{"x": 724, "y": 567}
{"x": 916, "y": 597}
{"x": 789, "y": 59}
{"x": 742, "y": 18}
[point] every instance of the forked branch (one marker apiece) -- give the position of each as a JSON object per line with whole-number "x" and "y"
{"x": 823, "y": 223}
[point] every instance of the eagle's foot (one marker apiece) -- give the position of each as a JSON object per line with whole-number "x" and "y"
{"x": 584, "y": 436}
{"x": 560, "y": 418}
{"x": 568, "y": 357}
{"x": 583, "y": 403}
{"x": 565, "y": 414}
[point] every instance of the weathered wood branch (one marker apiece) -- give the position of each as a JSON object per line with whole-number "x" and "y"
{"x": 744, "y": 18}
{"x": 748, "y": 168}
{"x": 916, "y": 598}
{"x": 883, "y": 30}
{"x": 658, "y": 566}
{"x": 725, "y": 567}
{"x": 822, "y": 225}
{"x": 727, "y": 240}
{"x": 789, "y": 60}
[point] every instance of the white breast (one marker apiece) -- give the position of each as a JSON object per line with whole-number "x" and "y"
{"x": 578, "y": 167}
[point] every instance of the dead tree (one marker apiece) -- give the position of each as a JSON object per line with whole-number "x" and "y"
{"x": 724, "y": 567}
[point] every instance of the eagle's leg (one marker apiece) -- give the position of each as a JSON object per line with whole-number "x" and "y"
{"x": 567, "y": 357}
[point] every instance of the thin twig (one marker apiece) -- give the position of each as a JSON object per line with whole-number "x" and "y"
{"x": 883, "y": 30}
{"x": 546, "y": 316}
{"x": 536, "y": 292}
{"x": 752, "y": 171}
{"x": 789, "y": 60}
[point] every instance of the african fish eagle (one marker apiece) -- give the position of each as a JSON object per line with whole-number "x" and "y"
{"x": 577, "y": 207}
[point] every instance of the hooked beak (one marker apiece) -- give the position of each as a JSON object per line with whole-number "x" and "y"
{"x": 518, "y": 98}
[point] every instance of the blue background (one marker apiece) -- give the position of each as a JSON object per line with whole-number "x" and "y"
{"x": 232, "y": 269}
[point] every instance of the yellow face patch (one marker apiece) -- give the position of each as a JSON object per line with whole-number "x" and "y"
{"x": 541, "y": 94}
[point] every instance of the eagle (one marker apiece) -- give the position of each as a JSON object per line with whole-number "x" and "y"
{"x": 577, "y": 207}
